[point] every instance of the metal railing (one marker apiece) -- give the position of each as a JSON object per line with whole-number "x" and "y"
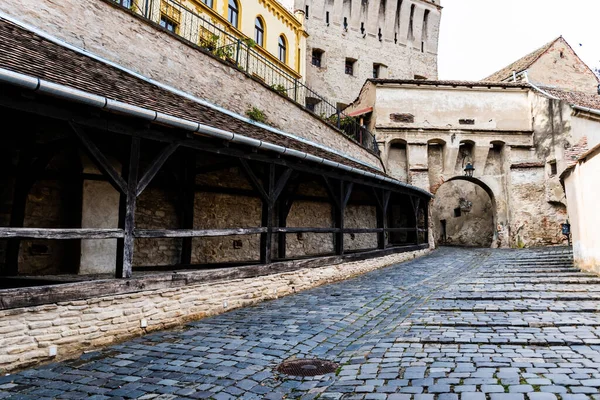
{"x": 241, "y": 53}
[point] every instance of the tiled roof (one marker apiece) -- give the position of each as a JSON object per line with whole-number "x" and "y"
{"x": 581, "y": 99}
{"x": 25, "y": 52}
{"x": 427, "y": 82}
{"x": 573, "y": 153}
{"x": 521, "y": 64}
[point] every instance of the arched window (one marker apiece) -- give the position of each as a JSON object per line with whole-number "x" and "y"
{"x": 259, "y": 32}
{"x": 233, "y": 14}
{"x": 282, "y": 49}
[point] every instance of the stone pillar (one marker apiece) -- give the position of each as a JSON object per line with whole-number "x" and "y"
{"x": 100, "y": 209}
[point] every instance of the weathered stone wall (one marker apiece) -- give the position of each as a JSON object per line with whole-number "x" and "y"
{"x": 471, "y": 228}
{"x": 560, "y": 67}
{"x": 27, "y": 334}
{"x": 121, "y": 37}
{"x": 399, "y": 54}
{"x": 157, "y": 209}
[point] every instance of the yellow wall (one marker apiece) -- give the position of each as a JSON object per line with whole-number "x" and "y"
{"x": 277, "y": 21}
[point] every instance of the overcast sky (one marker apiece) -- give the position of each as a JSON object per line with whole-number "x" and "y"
{"x": 479, "y": 37}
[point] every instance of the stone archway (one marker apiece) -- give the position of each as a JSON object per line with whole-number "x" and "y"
{"x": 464, "y": 213}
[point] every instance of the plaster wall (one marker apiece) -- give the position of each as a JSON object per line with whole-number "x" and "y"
{"x": 583, "y": 196}
{"x": 100, "y": 28}
{"x": 439, "y": 107}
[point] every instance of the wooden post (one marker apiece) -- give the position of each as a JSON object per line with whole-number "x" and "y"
{"x": 127, "y": 213}
{"x": 267, "y": 216}
{"x": 188, "y": 195}
{"x": 17, "y": 218}
{"x": 345, "y": 190}
{"x": 414, "y": 201}
{"x": 382, "y": 218}
{"x": 284, "y": 207}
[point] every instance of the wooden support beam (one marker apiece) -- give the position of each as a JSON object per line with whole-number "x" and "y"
{"x": 127, "y": 213}
{"x": 414, "y": 201}
{"x": 155, "y": 166}
{"x": 254, "y": 181}
{"x": 382, "y": 215}
{"x": 60, "y": 233}
{"x": 188, "y": 198}
{"x": 284, "y": 207}
{"x": 267, "y": 216}
{"x": 100, "y": 159}
{"x": 345, "y": 190}
{"x": 190, "y": 233}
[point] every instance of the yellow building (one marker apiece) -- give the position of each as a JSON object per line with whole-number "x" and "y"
{"x": 262, "y": 36}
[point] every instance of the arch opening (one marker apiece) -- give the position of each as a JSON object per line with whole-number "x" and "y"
{"x": 464, "y": 213}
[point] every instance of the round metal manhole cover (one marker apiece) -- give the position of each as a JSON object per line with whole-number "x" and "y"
{"x": 307, "y": 367}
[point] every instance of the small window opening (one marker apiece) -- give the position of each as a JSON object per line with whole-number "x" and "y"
{"x": 379, "y": 35}
{"x": 411, "y": 33}
{"x": 327, "y": 18}
{"x": 306, "y": 13}
{"x": 362, "y": 27}
{"x": 376, "y": 71}
{"x": 553, "y": 169}
{"x": 317, "y": 58}
{"x": 396, "y": 38}
{"x": 349, "y": 67}
{"x": 346, "y": 23}
{"x": 457, "y": 212}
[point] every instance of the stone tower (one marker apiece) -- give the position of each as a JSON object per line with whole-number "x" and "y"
{"x": 353, "y": 40}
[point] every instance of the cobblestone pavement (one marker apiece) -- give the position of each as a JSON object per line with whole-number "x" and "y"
{"x": 458, "y": 324}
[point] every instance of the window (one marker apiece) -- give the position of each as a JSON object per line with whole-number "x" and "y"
{"x": 362, "y": 28}
{"x": 349, "y": 68}
{"x": 168, "y": 23}
{"x": 380, "y": 35}
{"x": 233, "y": 13}
{"x": 346, "y": 23}
{"x": 376, "y": 70}
{"x": 553, "y": 169}
{"x": 457, "y": 212}
{"x": 411, "y": 33}
{"x": 425, "y": 35}
{"x": 259, "y": 32}
{"x": 282, "y": 49}
{"x": 125, "y": 3}
{"x": 327, "y": 18}
{"x": 317, "y": 58}
{"x": 306, "y": 13}
{"x": 208, "y": 3}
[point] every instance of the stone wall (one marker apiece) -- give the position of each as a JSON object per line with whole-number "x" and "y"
{"x": 474, "y": 227}
{"x": 397, "y": 53}
{"x": 109, "y": 31}
{"x": 28, "y": 334}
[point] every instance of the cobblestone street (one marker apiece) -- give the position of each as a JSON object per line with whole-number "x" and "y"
{"x": 459, "y": 324}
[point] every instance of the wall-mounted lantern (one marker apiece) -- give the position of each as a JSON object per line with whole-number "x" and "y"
{"x": 469, "y": 169}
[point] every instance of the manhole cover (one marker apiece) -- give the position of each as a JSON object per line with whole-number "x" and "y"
{"x": 308, "y": 367}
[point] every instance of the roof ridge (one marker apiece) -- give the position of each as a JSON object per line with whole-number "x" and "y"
{"x": 524, "y": 62}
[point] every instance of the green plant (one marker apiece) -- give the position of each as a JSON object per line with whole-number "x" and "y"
{"x": 249, "y": 42}
{"x": 210, "y": 43}
{"x": 256, "y": 114}
{"x": 224, "y": 52}
{"x": 279, "y": 88}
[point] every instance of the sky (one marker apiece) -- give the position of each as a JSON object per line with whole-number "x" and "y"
{"x": 479, "y": 37}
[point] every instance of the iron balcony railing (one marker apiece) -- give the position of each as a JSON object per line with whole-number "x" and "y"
{"x": 241, "y": 53}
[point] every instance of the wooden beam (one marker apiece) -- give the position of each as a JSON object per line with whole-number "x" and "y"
{"x": 113, "y": 124}
{"x": 127, "y": 213}
{"x": 254, "y": 181}
{"x": 100, "y": 159}
{"x": 60, "y": 233}
{"x": 345, "y": 191}
{"x": 188, "y": 200}
{"x": 189, "y": 233}
{"x": 267, "y": 216}
{"x": 155, "y": 166}
{"x": 281, "y": 183}
{"x": 382, "y": 215}
{"x": 284, "y": 207}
